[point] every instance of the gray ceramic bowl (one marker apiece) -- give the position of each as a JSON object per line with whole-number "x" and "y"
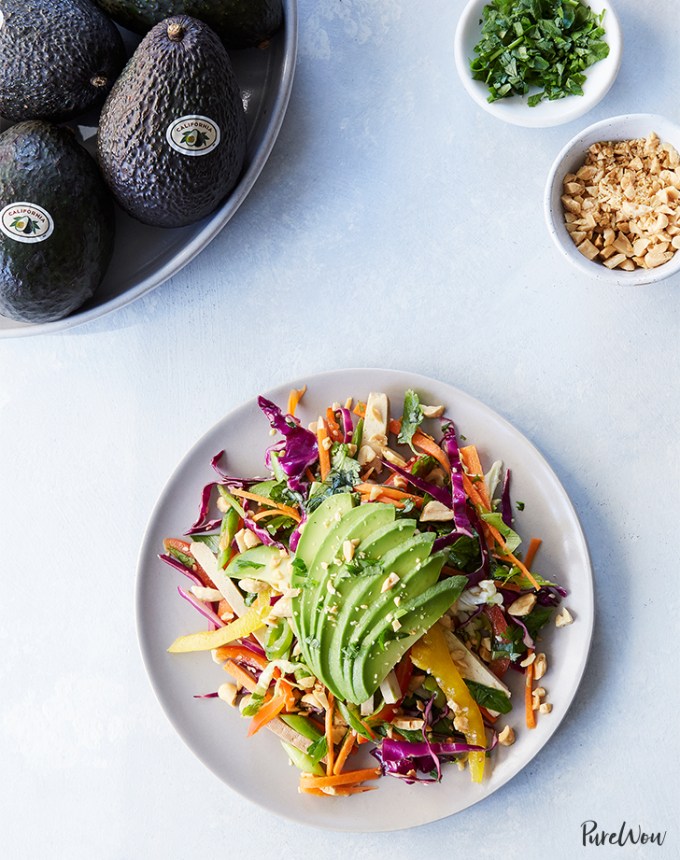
{"x": 144, "y": 257}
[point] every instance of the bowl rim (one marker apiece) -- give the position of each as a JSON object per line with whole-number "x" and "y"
{"x": 215, "y": 222}
{"x": 554, "y": 214}
{"x": 514, "y": 111}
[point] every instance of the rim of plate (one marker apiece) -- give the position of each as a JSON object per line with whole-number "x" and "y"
{"x": 149, "y": 550}
{"x": 216, "y": 222}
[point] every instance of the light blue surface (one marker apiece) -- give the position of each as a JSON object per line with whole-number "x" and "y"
{"x": 395, "y": 225}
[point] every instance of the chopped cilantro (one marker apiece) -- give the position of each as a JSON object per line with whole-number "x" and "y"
{"x": 537, "y": 44}
{"x": 411, "y": 419}
{"x": 519, "y": 506}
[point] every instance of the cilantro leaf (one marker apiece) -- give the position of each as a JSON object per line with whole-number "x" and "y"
{"x": 411, "y": 419}
{"x": 489, "y": 698}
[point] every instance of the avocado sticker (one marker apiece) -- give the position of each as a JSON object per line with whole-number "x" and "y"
{"x": 193, "y": 135}
{"x": 26, "y": 222}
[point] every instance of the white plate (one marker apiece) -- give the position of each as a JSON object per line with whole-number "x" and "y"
{"x": 515, "y": 110}
{"x": 217, "y": 734}
{"x": 144, "y": 257}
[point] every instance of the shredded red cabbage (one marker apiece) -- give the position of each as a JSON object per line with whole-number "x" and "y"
{"x": 460, "y": 515}
{"x": 438, "y": 493}
{"x": 263, "y": 534}
{"x": 506, "y": 506}
{"x": 403, "y": 759}
{"x": 242, "y": 483}
{"x": 206, "y": 695}
{"x": 295, "y": 536}
{"x": 299, "y": 449}
{"x": 177, "y": 564}
{"x": 202, "y": 607}
{"x": 347, "y": 424}
{"x": 201, "y": 520}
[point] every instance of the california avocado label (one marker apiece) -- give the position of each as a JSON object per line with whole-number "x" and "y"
{"x": 26, "y": 222}
{"x": 193, "y": 135}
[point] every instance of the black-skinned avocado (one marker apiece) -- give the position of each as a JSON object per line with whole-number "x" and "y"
{"x": 56, "y": 223}
{"x": 58, "y": 58}
{"x": 239, "y": 23}
{"x": 172, "y": 133}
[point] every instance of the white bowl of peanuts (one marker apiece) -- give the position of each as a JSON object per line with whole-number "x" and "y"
{"x": 612, "y": 199}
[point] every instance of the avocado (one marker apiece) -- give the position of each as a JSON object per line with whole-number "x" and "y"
{"x": 264, "y": 563}
{"x": 56, "y": 223}
{"x": 383, "y": 647}
{"x": 316, "y": 529}
{"x": 239, "y": 23}
{"x": 172, "y": 133}
{"x": 351, "y": 593}
{"x": 357, "y": 523}
{"x": 59, "y": 58}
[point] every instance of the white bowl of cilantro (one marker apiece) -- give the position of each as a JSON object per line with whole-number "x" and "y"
{"x": 538, "y": 63}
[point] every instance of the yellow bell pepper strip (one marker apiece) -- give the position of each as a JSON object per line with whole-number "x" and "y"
{"x": 431, "y": 654}
{"x": 238, "y": 629}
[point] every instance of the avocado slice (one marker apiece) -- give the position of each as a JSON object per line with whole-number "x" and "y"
{"x": 383, "y": 647}
{"x": 369, "y": 602}
{"x": 316, "y": 529}
{"x": 351, "y": 591}
{"x": 357, "y": 524}
{"x": 265, "y": 563}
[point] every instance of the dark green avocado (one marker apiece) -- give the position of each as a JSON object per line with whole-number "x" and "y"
{"x": 58, "y": 58}
{"x": 239, "y": 23}
{"x": 56, "y": 223}
{"x": 172, "y": 133}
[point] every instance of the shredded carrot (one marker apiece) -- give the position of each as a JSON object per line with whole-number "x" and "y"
{"x": 330, "y": 753}
{"x": 223, "y": 608}
{"x": 324, "y": 455}
{"x": 285, "y": 689}
{"x": 334, "y": 430}
{"x": 345, "y": 750}
{"x": 242, "y": 678}
{"x": 235, "y": 652}
{"x": 534, "y": 545}
{"x": 429, "y": 446}
{"x": 350, "y": 777}
{"x": 528, "y": 695}
{"x": 506, "y": 554}
{"x": 262, "y": 515}
{"x": 470, "y": 459}
{"x": 390, "y": 492}
{"x": 383, "y": 497}
{"x": 295, "y": 396}
{"x": 263, "y": 500}
{"x": 266, "y": 714}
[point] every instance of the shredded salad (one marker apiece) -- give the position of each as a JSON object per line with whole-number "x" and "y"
{"x": 369, "y": 592}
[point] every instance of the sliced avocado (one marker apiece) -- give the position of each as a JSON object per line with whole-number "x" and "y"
{"x": 315, "y": 531}
{"x": 383, "y": 610}
{"x": 384, "y": 647}
{"x": 350, "y": 590}
{"x": 264, "y": 563}
{"x": 408, "y": 563}
{"x": 357, "y": 524}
